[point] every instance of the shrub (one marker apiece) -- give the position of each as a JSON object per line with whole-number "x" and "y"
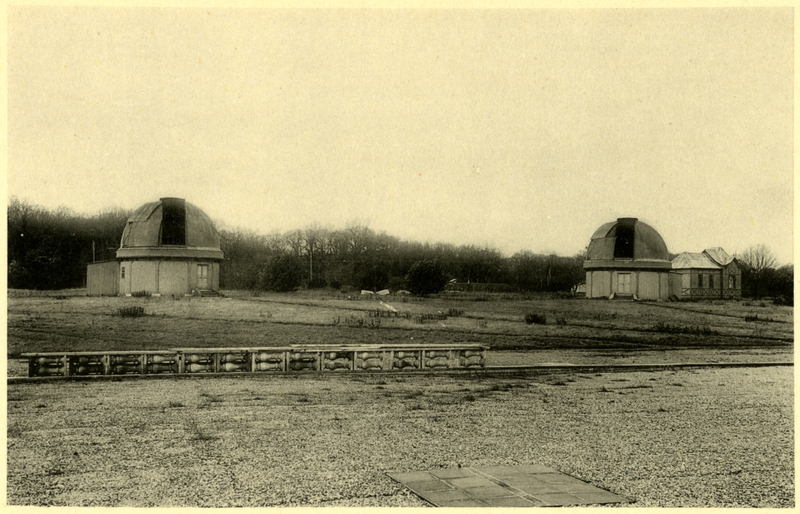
{"x": 425, "y": 277}
{"x": 281, "y": 274}
{"x": 317, "y": 283}
{"x": 141, "y": 294}
{"x": 536, "y": 319}
{"x": 666, "y": 328}
{"x": 131, "y": 312}
{"x": 602, "y": 316}
{"x": 784, "y": 300}
{"x": 422, "y": 318}
{"x": 355, "y": 322}
{"x": 378, "y": 313}
{"x": 371, "y": 277}
{"x": 396, "y": 283}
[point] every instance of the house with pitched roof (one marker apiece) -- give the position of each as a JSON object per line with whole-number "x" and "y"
{"x": 706, "y": 275}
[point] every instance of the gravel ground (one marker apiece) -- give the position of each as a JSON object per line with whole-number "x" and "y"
{"x": 594, "y": 357}
{"x": 687, "y": 438}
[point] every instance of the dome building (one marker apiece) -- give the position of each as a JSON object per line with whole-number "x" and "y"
{"x": 168, "y": 247}
{"x": 627, "y": 258}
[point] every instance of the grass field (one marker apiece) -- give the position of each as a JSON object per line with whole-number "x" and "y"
{"x": 72, "y": 321}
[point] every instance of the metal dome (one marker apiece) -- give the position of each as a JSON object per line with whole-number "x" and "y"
{"x": 169, "y": 228}
{"x": 627, "y": 243}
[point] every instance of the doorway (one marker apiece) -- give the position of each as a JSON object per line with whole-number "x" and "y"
{"x": 623, "y": 283}
{"x": 202, "y": 276}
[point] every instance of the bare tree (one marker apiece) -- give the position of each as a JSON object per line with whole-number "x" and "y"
{"x": 314, "y": 237}
{"x": 758, "y": 258}
{"x": 758, "y": 263}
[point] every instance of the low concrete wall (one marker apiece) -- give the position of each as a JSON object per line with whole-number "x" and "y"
{"x": 253, "y": 360}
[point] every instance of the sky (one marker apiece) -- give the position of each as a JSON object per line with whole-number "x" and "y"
{"x": 521, "y": 129}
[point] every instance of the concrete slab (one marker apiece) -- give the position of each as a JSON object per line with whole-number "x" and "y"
{"x": 493, "y": 491}
{"x": 556, "y": 499}
{"x": 428, "y": 485}
{"x": 513, "y": 501}
{"x": 503, "y": 486}
{"x": 451, "y": 473}
{"x": 449, "y": 495}
{"x": 461, "y": 503}
{"x": 531, "y": 485}
{"x": 473, "y": 481}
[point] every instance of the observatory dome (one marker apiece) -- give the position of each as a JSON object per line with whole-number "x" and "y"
{"x": 168, "y": 247}
{"x": 627, "y": 258}
{"x": 170, "y": 227}
{"x": 627, "y": 242}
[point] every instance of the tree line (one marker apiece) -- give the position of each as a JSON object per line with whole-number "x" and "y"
{"x": 51, "y": 249}
{"x": 359, "y": 257}
{"x": 761, "y": 277}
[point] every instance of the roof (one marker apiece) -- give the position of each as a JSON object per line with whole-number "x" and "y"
{"x": 169, "y": 225}
{"x": 719, "y": 255}
{"x": 627, "y": 242}
{"x": 688, "y": 260}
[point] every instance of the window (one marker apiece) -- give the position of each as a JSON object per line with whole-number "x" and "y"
{"x": 711, "y": 281}
{"x": 123, "y": 271}
{"x": 700, "y": 281}
{"x": 731, "y": 282}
